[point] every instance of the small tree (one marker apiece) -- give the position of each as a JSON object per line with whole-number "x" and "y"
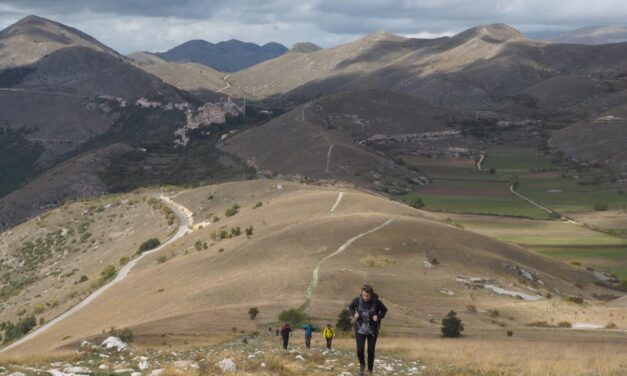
{"x": 344, "y": 322}
{"x": 452, "y": 326}
{"x": 148, "y": 245}
{"x": 293, "y": 317}
{"x": 415, "y": 202}
{"x": 253, "y": 312}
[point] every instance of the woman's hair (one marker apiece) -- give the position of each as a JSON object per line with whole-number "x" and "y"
{"x": 368, "y": 289}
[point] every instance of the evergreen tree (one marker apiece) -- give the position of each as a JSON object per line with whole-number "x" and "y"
{"x": 452, "y": 326}
{"x": 344, "y": 321}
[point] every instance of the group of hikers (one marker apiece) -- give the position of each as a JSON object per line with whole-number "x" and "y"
{"x": 368, "y": 311}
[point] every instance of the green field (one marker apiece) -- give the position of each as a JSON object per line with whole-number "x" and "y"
{"x": 557, "y": 239}
{"x": 556, "y": 187}
{"x": 458, "y": 187}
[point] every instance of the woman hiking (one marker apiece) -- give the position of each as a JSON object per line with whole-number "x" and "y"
{"x": 285, "y": 334}
{"x": 328, "y": 334}
{"x": 368, "y": 311}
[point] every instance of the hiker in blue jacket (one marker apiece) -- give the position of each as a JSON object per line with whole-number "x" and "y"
{"x": 308, "y": 333}
{"x": 368, "y": 311}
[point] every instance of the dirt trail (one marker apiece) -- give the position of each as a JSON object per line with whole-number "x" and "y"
{"x": 122, "y": 274}
{"x": 337, "y": 202}
{"x": 228, "y": 84}
{"x": 315, "y": 276}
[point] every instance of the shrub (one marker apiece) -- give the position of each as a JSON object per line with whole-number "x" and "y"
{"x": 293, "y": 317}
{"x": 258, "y": 205}
{"x": 249, "y": 231}
{"x": 610, "y": 325}
{"x": 232, "y": 210}
{"x": 15, "y": 331}
{"x": 198, "y": 245}
{"x": 161, "y": 259}
{"x": 415, "y": 202}
{"x": 494, "y": 313}
{"x": 471, "y": 308}
{"x": 82, "y": 279}
{"x": 564, "y": 324}
{"x": 574, "y": 299}
{"x": 107, "y": 274}
{"x": 125, "y": 334}
{"x": 344, "y": 322}
{"x": 600, "y": 207}
{"x": 452, "y": 326}
{"x": 253, "y": 312}
{"x": 492, "y": 170}
{"x": 123, "y": 260}
{"x": 148, "y": 245}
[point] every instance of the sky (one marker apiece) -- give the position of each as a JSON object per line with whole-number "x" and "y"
{"x": 158, "y": 25}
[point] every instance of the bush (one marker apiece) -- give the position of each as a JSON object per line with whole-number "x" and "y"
{"x": 232, "y": 210}
{"x": 293, "y": 317}
{"x": 82, "y": 279}
{"x": 148, "y": 245}
{"x": 415, "y": 202}
{"x": 123, "y": 260}
{"x": 344, "y": 322}
{"x": 249, "y": 231}
{"x": 610, "y": 325}
{"x": 600, "y": 207}
{"x": 253, "y": 312}
{"x": 15, "y": 331}
{"x": 574, "y": 299}
{"x": 258, "y": 205}
{"x": 198, "y": 245}
{"x": 452, "y": 326}
{"x": 107, "y": 274}
{"x": 564, "y": 324}
{"x": 125, "y": 334}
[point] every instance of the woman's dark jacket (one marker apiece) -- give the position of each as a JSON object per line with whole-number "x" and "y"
{"x": 375, "y": 306}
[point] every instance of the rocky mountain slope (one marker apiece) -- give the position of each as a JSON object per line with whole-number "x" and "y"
{"x": 592, "y": 35}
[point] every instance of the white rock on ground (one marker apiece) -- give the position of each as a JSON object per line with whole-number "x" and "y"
{"x": 299, "y": 357}
{"x": 114, "y": 342}
{"x": 227, "y": 365}
{"x": 157, "y": 372}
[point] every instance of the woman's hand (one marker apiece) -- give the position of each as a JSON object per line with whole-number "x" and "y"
{"x": 375, "y": 318}
{"x": 356, "y": 315}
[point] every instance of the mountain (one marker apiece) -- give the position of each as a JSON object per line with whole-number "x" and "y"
{"x": 65, "y": 97}
{"x": 592, "y": 35}
{"x": 229, "y": 56}
{"x": 305, "y": 47}
{"x": 199, "y": 80}
{"x": 33, "y": 38}
{"x": 329, "y": 138}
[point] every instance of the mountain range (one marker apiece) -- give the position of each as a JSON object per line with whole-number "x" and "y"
{"x": 228, "y": 56}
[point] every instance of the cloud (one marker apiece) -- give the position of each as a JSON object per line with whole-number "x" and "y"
{"x": 157, "y": 25}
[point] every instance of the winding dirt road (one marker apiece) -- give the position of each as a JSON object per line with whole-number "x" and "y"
{"x": 182, "y": 230}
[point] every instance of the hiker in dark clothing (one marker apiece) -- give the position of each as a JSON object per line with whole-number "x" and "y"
{"x": 285, "y": 334}
{"x": 368, "y": 311}
{"x": 308, "y": 333}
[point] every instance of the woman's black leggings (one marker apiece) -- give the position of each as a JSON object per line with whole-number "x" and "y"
{"x": 361, "y": 344}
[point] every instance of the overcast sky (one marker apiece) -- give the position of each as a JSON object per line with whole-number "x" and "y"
{"x": 157, "y": 25}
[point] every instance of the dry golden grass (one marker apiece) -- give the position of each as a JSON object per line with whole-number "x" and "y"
{"x": 512, "y": 356}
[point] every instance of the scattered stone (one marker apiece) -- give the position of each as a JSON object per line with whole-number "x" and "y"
{"x": 299, "y": 357}
{"x": 114, "y": 343}
{"x": 226, "y": 365}
{"x": 143, "y": 364}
